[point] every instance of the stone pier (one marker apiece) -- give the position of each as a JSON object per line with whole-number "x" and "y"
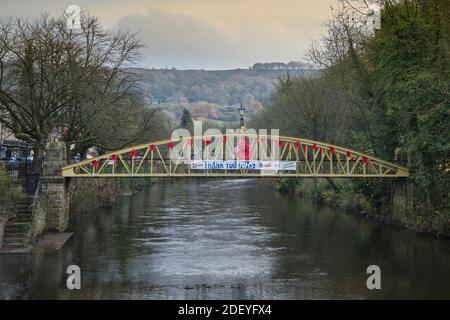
{"x": 52, "y": 208}
{"x": 55, "y": 202}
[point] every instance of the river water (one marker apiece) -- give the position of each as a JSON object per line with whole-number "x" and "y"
{"x": 229, "y": 239}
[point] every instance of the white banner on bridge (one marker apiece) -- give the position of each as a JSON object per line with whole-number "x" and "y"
{"x": 243, "y": 165}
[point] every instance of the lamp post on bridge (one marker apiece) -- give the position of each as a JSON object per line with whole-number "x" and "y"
{"x": 242, "y": 122}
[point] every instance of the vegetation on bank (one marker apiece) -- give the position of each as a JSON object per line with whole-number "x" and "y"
{"x": 347, "y": 196}
{"x": 384, "y": 93}
{"x": 8, "y": 193}
{"x": 91, "y": 194}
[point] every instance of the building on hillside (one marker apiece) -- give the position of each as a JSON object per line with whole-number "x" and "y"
{"x": 10, "y": 146}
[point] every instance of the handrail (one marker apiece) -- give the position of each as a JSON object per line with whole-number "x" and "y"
{"x": 36, "y": 197}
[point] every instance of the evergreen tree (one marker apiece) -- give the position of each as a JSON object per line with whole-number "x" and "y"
{"x": 186, "y": 120}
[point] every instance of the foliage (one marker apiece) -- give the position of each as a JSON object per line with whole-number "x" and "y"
{"x": 52, "y": 76}
{"x": 409, "y": 70}
{"x": 76, "y": 80}
{"x": 186, "y": 120}
{"x": 8, "y": 193}
{"x": 385, "y": 93}
{"x": 90, "y": 194}
{"x": 211, "y": 111}
{"x": 310, "y": 108}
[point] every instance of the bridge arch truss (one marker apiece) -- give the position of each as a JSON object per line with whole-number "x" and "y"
{"x": 312, "y": 159}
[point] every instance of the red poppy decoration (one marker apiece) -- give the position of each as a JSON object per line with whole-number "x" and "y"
{"x": 280, "y": 143}
{"x": 297, "y": 144}
{"x": 321, "y": 150}
{"x": 288, "y": 144}
{"x": 305, "y": 147}
{"x": 170, "y": 145}
{"x": 151, "y": 148}
{"x": 348, "y": 154}
{"x": 331, "y": 149}
{"x": 94, "y": 163}
{"x": 133, "y": 153}
{"x": 114, "y": 157}
{"x": 225, "y": 138}
{"x": 364, "y": 160}
{"x": 244, "y": 152}
{"x": 314, "y": 147}
{"x": 206, "y": 142}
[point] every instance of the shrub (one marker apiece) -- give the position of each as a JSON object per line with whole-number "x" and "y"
{"x": 8, "y": 193}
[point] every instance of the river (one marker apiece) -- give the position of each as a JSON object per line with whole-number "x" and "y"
{"x": 229, "y": 239}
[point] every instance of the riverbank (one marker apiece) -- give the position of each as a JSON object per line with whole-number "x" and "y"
{"x": 91, "y": 194}
{"x": 378, "y": 204}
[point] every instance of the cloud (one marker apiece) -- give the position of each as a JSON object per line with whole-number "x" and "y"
{"x": 175, "y": 40}
{"x": 202, "y": 34}
{"x": 182, "y": 41}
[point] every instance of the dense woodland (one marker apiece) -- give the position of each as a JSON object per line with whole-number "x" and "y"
{"x": 387, "y": 94}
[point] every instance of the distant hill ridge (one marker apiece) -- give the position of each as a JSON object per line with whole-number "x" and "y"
{"x": 224, "y": 87}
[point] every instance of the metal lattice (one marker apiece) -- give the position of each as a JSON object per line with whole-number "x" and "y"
{"x": 307, "y": 158}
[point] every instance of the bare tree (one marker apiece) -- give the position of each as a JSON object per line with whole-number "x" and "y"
{"x": 53, "y": 76}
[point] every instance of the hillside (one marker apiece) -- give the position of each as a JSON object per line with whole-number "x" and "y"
{"x": 211, "y": 94}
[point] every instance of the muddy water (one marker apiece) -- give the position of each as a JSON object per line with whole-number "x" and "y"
{"x": 229, "y": 239}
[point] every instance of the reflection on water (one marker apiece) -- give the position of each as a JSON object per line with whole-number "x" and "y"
{"x": 229, "y": 239}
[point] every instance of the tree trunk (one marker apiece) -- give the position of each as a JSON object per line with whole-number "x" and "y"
{"x": 38, "y": 158}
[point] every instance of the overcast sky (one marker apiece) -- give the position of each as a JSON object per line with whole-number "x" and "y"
{"x": 202, "y": 34}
